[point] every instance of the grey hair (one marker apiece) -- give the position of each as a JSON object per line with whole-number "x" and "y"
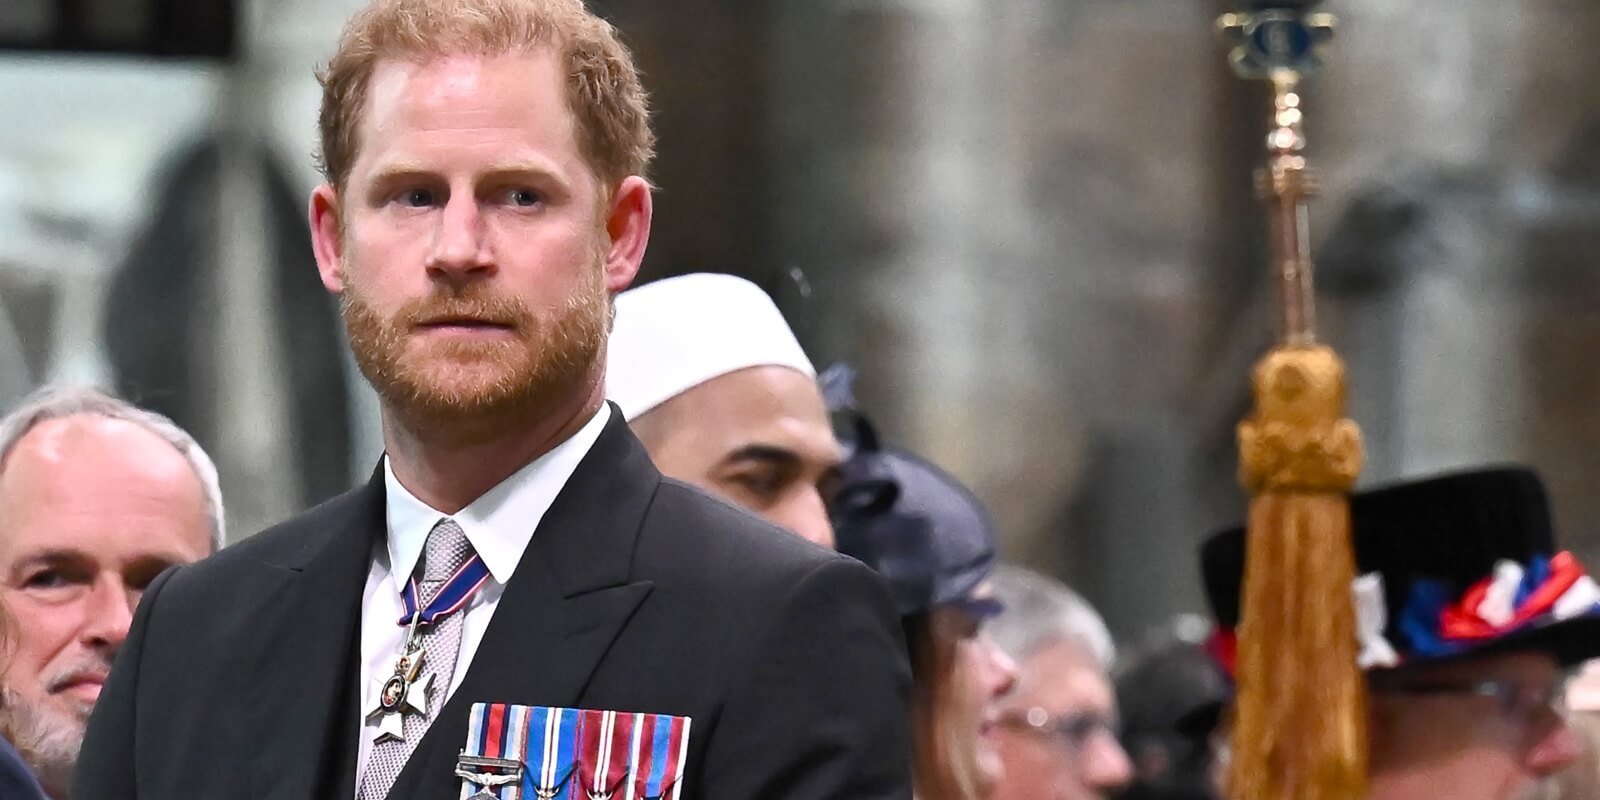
{"x": 55, "y": 402}
{"x": 1040, "y": 612}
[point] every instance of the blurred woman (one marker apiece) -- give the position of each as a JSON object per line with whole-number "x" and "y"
{"x": 932, "y": 539}
{"x": 16, "y": 781}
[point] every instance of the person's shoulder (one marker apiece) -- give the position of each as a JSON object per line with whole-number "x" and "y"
{"x": 285, "y": 547}
{"x": 732, "y": 542}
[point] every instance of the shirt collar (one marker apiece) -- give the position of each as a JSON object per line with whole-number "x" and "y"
{"x": 501, "y": 522}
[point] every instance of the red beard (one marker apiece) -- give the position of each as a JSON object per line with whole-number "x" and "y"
{"x": 473, "y": 392}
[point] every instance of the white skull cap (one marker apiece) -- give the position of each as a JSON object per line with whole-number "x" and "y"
{"x": 675, "y": 334}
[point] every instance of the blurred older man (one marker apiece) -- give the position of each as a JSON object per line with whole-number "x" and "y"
{"x": 1058, "y": 732}
{"x": 1469, "y": 618}
{"x": 713, "y": 382}
{"x": 97, "y": 497}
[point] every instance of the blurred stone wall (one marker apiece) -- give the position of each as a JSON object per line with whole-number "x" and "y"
{"x": 1460, "y": 142}
{"x": 1031, "y": 225}
{"x": 1557, "y": 151}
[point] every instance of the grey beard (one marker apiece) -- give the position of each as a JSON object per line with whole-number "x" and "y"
{"x": 49, "y": 742}
{"x": 1546, "y": 789}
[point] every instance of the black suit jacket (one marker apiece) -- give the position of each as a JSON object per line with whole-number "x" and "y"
{"x": 238, "y": 680}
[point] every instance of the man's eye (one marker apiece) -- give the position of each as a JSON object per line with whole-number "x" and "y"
{"x": 523, "y": 197}
{"x": 416, "y": 198}
{"x": 765, "y": 486}
{"x": 45, "y": 579}
{"x": 140, "y": 578}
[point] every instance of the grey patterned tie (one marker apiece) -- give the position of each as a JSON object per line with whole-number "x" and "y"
{"x": 446, "y": 551}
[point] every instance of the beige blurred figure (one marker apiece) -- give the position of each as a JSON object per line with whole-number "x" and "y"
{"x": 1058, "y": 731}
{"x": 97, "y": 497}
{"x": 713, "y": 382}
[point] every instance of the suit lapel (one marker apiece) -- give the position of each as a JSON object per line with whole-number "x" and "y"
{"x": 561, "y": 610}
{"x": 304, "y": 700}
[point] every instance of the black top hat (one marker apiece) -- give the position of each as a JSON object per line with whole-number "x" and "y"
{"x": 1468, "y": 567}
{"x": 914, "y": 523}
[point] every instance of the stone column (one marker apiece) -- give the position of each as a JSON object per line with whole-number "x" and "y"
{"x": 1002, "y": 200}
{"x": 1417, "y": 102}
{"x": 1557, "y": 198}
{"x": 243, "y": 361}
{"x": 901, "y": 191}
{"x": 300, "y": 39}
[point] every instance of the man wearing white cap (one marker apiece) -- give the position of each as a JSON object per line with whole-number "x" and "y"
{"x": 713, "y": 381}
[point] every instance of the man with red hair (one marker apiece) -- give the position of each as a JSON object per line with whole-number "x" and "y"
{"x": 517, "y": 603}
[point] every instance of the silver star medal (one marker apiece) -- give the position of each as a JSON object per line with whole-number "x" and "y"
{"x": 402, "y": 692}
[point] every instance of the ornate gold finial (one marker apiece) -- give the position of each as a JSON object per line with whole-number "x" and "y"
{"x": 1276, "y": 37}
{"x": 1278, "y": 42}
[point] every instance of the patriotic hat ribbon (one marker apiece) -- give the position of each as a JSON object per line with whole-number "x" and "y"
{"x": 1514, "y": 597}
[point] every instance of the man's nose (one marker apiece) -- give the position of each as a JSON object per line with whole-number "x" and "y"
{"x": 109, "y": 614}
{"x": 460, "y": 243}
{"x": 1555, "y": 752}
{"x": 1107, "y": 765}
{"x": 1002, "y": 669}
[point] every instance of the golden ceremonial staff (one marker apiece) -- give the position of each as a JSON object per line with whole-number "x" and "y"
{"x": 1299, "y": 724}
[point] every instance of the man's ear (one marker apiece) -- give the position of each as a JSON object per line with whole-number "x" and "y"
{"x": 327, "y": 241}
{"x": 628, "y": 227}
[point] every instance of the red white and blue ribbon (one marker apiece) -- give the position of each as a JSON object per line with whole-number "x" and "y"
{"x": 1437, "y": 623}
{"x": 574, "y": 754}
{"x": 455, "y": 593}
{"x": 1513, "y": 598}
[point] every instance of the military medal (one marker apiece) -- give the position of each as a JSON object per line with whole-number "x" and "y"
{"x": 490, "y": 773}
{"x": 404, "y": 691}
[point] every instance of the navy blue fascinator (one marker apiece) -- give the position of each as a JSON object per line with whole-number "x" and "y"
{"x": 913, "y": 523}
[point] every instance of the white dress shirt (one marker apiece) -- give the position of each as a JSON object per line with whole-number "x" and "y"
{"x": 500, "y": 524}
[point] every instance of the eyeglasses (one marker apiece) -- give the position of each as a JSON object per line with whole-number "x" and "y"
{"x": 1514, "y": 700}
{"x": 1073, "y": 730}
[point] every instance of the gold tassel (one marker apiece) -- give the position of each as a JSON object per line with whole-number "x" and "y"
{"x": 1300, "y": 716}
